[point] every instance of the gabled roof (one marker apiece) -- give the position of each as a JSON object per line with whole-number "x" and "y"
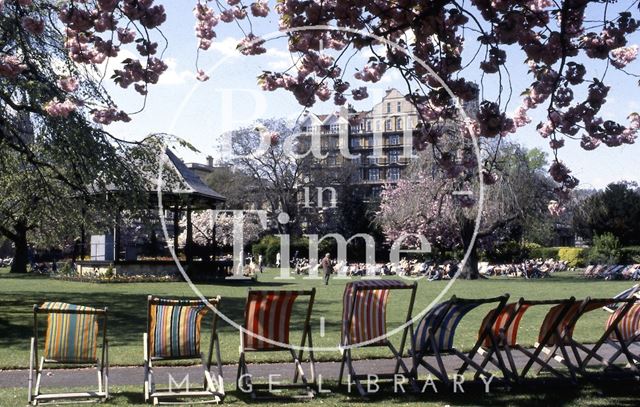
{"x": 191, "y": 184}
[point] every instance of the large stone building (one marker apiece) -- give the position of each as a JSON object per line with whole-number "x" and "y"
{"x": 374, "y": 145}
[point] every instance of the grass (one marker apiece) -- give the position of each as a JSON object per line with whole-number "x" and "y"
{"x": 591, "y": 394}
{"x": 127, "y": 307}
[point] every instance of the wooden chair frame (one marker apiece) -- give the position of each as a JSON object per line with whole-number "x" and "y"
{"x": 257, "y": 390}
{"x": 35, "y": 395}
{"x": 440, "y": 372}
{"x": 347, "y": 359}
{"x": 520, "y": 307}
{"x": 213, "y": 387}
{"x": 619, "y": 345}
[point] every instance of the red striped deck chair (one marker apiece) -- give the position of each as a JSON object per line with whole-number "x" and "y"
{"x": 173, "y": 333}
{"x": 364, "y": 324}
{"x": 565, "y": 349}
{"x": 434, "y": 336}
{"x": 505, "y": 325}
{"x": 267, "y": 325}
{"x": 628, "y": 334}
{"x": 71, "y": 338}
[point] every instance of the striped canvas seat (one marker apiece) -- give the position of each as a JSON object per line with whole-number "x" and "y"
{"x": 629, "y": 324}
{"x": 506, "y": 321}
{"x": 70, "y": 337}
{"x": 443, "y": 320}
{"x": 174, "y": 330}
{"x": 364, "y": 310}
{"x": 568, "y": 321}
{"x": 268, "y": 315}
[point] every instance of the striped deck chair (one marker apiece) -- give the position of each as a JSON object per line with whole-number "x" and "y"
{"x": 436, "y": 330}
{"x": 71, "y": 338}
{"x": 173, "y": 333}
{"x": 505, "y": 325}
{"x": 267, "y": 324}
{"x": 565, "y": 349}
{"x": 364, "y": 324}
{"x": 628, "y": 334}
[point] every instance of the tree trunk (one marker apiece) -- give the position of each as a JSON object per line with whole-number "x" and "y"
{"x": 470, "y": 270}
{"x": 21, "y": 256}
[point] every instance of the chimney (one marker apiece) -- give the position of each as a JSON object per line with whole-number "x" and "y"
{"x": 210, "y": 161}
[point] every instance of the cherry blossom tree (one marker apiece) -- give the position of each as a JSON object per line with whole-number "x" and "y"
{"x": 433, "y": 204}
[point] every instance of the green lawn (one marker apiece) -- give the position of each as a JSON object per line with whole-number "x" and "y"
{"x": 127, "y": 305}
{"x": 593, "y": 394}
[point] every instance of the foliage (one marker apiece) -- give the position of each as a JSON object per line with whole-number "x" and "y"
{"x": 269, "y": 247}
{"x": 203, "y": 228}
{"x": 605, "y": 249}
{"x": 506, "y": 252}
{"x": 574, "y": 256}
{"x": 630, "y": 255}
{"x": 544, "y": 252}
{"x": 615, "y": 210}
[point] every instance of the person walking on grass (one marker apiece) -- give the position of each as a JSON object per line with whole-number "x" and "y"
{"x": 326, "y": 268}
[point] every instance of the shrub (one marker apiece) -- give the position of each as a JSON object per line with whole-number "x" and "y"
{"x": 506, "y": 252}
{"x": 605, "y": 249}
{"x": 574, "y": 256}
{"x": 544, "y": 253}
{"x": 630, "y": 255}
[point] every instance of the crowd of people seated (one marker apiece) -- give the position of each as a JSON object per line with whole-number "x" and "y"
{"x": 613, "y": 272}
{"x": 534, "y": 268}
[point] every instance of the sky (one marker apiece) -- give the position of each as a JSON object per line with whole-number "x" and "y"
{"x": 200, "y": 112}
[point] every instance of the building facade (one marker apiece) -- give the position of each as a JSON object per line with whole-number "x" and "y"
{"x": 375, "y": 146}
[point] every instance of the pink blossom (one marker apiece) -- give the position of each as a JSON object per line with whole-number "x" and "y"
{"x": 56, "y": 108}
{"x": 260, "y": 8}
{"x": 110, "y": 115}
{"x": 68, "y": 84}
{"x": 251, "y": 45}
{"x": 555, "y": 208}
{"x": 11, "y": 66}
{"x": 227, "y": 16}
{"x": 323, "y": 92}
{"x": 371, "y": 73}
{"x": 202, "y": 76}
{"x": 359, "y": 93}
{"x": 621, "y": 57}
{"x": 32, "y": 25}
{"x": 126, "y": 35}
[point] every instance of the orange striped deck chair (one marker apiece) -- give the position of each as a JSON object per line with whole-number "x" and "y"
{"x": 434, "y": 336}
{"x": 267, "y": 328}
{"x": 505, "y": 324}
{"x": 72, "y": 336}
{"x": 564, "y": 348}
{"x": 622, "y": 329}
{"x": 364, "y": 324}
{"x": 173, "y": 333}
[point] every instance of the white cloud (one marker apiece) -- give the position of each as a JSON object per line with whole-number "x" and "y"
{"x": 172, "y": 76}
{"x": 226, "y": 47}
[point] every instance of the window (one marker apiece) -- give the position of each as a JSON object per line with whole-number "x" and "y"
{"x": 394, "y": 140}
{"x": 374, "y": 174}
{"x": 399, "y": 123}
{"x": 394, "y": 174}
{"x": 335, "y": 128}
{"x": 368, "y": 142}
{"x": 355, "y": 142}
{"x": 387, "y": 124}
{"x": 399, "y": 106}
{"x": 372, "y": 161}
{"x": 394, "y": 156}
{"x": 368, "y": 125}
{"x": 388, "y": 107}
{"x": 331, "y": 159}
{"x": 375, "y": 191}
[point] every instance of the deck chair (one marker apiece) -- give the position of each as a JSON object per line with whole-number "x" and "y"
{"x": 267, "y": 323}
{"x": 622, "y": 329}
{"x": 436, "y": 330}
{"x": 364, "y": 324}
{"x": 173, "y": 333}
{"x": 505, "y": 324}
{"x": 565, "y": 349}
{"x": 71, "y": 338}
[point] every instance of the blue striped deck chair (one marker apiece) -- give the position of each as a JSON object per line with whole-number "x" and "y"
{"x": 71, "y": 338}
{"x": 364, "y": 324}
{"x": 434, "y": 336}
{"x": 267, "y": 325}
{"x": 173, "y": 333}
